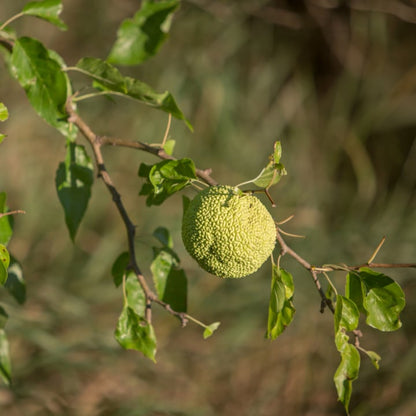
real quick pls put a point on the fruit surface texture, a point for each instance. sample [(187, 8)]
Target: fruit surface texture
[(228, 232)]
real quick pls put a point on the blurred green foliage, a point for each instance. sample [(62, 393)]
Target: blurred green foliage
[(336, 85)]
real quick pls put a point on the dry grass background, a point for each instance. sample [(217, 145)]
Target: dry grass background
[(337, 87)]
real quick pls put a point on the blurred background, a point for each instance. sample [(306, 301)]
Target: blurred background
[(335, 82)]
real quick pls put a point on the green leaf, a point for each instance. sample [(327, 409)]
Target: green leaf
[(4, 113), (173, 174), (170, 280), (45, 84), (272, 172), (108, 78), (74, 179), (347, 370), (5, 364), (136, 299), (166, 178), (374, 357), (346, 314), (119, 268), (330, 293), (3, 317), (15, 282), (133, 332), (378, 296), (48, 10), (270, 175), (140, 38), (169, 146), (210, 329), (4, 263), (277, 154), (6, 222), (346, 318), (163, 235), (281, 309), (383, 301), (354, 290)]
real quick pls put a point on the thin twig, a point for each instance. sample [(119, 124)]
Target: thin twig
[(373, 256), (167, 131), (285, 249), (204, 174), (17, 211), (342, 267)]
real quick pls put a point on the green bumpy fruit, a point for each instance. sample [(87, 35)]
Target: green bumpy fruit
[(229, 233)]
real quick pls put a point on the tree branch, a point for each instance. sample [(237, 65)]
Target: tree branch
[(204, 174), (315, 271), (285, 249), (96, 143)]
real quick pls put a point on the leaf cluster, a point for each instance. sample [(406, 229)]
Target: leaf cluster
[(11, 278)]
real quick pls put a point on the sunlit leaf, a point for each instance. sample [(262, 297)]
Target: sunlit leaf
[(383, 302), (165, 178), (4, 113), (346, 318), (272, 172), (108, 78), (43, 80), (270, 175), (133, 332), (4, 263), (135, 297), (5, 364), (277, 154), (374, 357), (48, 10), (6, 222), (346, 314), (169, 146), (347, 370), (74, 179), (15, 283), (210, 329), (378, 296), (3, 274), (281, 309), (140, 38)]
